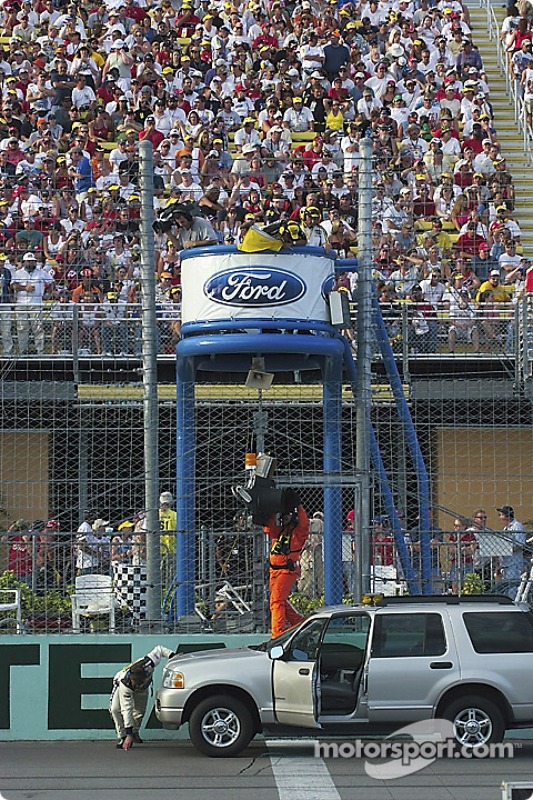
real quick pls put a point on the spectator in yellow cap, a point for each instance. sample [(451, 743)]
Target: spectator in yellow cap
[(248, 134), (298, 118), (121, 545)]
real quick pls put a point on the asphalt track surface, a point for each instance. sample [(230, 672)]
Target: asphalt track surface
[(279, 770)]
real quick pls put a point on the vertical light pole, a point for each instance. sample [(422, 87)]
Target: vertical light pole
[(149, 369), (364, 355)]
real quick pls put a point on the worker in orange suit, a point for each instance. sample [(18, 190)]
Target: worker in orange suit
[(288, 532)]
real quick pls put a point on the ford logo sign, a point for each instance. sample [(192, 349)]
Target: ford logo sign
[(254, 287)]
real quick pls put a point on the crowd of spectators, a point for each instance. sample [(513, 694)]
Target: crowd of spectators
[(255, 111), (45, 559), (42, 557)]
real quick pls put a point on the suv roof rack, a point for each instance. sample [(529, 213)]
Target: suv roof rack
[(447, 599)]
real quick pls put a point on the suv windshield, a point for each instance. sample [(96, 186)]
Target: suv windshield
[(279, 641)]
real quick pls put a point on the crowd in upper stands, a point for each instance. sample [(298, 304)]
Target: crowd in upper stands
[(255, 111)]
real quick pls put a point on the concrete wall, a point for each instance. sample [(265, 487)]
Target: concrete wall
[(58, 687)]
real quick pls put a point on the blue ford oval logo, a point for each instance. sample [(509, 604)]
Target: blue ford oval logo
[(328, 284), (254, 287)]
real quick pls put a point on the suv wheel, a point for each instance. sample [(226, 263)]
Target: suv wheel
[(476, 721), (221, 726)]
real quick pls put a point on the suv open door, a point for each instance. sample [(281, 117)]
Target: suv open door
[(295, 677)]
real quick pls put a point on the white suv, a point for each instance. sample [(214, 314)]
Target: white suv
[(363, 669)]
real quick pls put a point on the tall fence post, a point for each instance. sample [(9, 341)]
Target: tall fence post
[(364, 355), (149, 370)]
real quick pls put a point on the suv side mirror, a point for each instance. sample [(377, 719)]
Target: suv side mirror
[(276, 652)]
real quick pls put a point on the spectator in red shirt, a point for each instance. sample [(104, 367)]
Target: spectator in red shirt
[(337, 92), (19, 559), (150, 133), (463, 173), (187, 21), (313, 154), (423, 205), (468, 242), (265, 39), (23, 82), (14, 152), (476, 140), (463, 545), (134, 12), (382, 542)]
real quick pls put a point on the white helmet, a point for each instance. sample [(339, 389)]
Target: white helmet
[(166, 499)]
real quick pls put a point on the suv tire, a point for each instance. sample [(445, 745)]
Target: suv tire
[(221, 726), (476, 720)]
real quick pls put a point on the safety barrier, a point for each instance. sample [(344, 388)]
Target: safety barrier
[(229, 587)]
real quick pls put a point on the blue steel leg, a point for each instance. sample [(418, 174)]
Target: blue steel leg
[(386, 493), (185, 484), (411, 439), (332, 413)]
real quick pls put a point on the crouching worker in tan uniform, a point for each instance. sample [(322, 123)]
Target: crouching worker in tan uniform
[(129, 695)]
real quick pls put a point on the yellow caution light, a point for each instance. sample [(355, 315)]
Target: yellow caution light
[(371, 599), (250, 460)]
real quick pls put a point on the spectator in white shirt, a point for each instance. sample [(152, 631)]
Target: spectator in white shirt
[(29, 285), (298, 118)]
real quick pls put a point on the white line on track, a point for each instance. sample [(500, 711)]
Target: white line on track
[(300, 777)]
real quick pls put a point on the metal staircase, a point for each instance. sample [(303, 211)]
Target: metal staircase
[(486, 31)]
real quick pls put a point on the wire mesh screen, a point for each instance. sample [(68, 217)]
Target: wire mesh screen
[(287, 423), (65, 451)]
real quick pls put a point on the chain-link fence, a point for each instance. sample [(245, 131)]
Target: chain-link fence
[(65, 452), (57, 594)]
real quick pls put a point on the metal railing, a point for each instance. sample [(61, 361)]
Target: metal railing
[(49, 569), (486, 334), (512, 87), (69, 333), (70, 330), (468, 563), (525, 336), (231, 582)]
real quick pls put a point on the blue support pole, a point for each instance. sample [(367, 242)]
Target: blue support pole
[(332, 463), (185, 486), (386, 493), (412, 443)]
